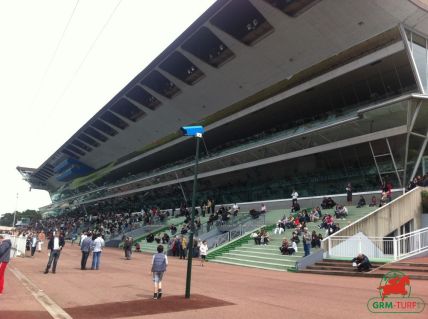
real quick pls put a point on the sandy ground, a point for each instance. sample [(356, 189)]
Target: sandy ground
[(123, 289)]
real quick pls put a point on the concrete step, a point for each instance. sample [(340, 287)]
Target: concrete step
[(373, 274), (256, 263), (339, 273), (343, 264), (399, 264), (261, 249), (412, 274), (406, 269), (270, 247), (265, 253), (333, 267), (246, 265), (262, 258)]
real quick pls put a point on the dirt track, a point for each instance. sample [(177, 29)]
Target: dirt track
[(123, 289)]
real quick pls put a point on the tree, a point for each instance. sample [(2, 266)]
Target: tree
[(33, 215), (6, 219)]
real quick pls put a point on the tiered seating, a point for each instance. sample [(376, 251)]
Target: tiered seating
[(269, 257), (151, 247)]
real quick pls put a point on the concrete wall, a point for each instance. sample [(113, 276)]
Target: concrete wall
[(388, 218)]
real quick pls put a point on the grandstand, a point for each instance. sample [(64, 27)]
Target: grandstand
[(306, 95)]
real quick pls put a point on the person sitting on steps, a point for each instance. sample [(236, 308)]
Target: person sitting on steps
[(362, 263)]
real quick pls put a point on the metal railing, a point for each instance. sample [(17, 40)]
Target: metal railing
[(239, 230), (18, 245), (411, 243), (394, 248)]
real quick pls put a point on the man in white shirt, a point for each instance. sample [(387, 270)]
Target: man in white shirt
[(97, 247), (235, 209), (294, 196), (82, 237), (33, 244)]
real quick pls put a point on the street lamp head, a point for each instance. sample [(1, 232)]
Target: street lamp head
[(193, 130)]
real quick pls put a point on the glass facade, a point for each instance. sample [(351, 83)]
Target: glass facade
[(336, 110), (418, 47)]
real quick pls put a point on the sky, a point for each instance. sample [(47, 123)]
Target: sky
[(61, 61)]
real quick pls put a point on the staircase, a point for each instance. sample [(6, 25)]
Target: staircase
[(247, 254), (345, 268), (266, 257), (338, 267)]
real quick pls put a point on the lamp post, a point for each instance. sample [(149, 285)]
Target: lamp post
[(195, 131), (16, 209)]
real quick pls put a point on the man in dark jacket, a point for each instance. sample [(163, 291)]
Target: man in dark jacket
[(127, 247), (5, 246), (55, 245), (362, 262)]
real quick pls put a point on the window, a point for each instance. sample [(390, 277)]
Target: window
[(85, 138), (179, 66), (128, 110), (103, 127), (160, 84), (419, 52), (110, 118), (94, 133), (292, 7), (139, 95), (81, 145), (207, 47), (242, 21)]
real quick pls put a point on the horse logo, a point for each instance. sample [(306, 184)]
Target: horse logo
[(394, 283)]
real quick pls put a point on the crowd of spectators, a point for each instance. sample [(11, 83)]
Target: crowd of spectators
[(418, 181)]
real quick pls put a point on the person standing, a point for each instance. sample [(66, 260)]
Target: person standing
[(82, 237), (5, 245), (33, 244), (209, 204), (212, 206), (85, 247), (159, 264), (97, 245), (203, 251), (349, 194), (306, 242), (55, 245), (127, 246), (183, 247), (294, 196), (41, 238)]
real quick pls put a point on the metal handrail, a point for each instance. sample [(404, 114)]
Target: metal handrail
[(411, 233)]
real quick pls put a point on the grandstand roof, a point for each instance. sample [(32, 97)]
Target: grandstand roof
[(219, 65)]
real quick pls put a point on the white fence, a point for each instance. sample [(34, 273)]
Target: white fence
[(18, 245), (412, 243), (393, 248)]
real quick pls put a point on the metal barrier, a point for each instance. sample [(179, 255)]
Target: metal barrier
[(372, 247), (411, 243), (18, 245), (239, 230), (394, 248)]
